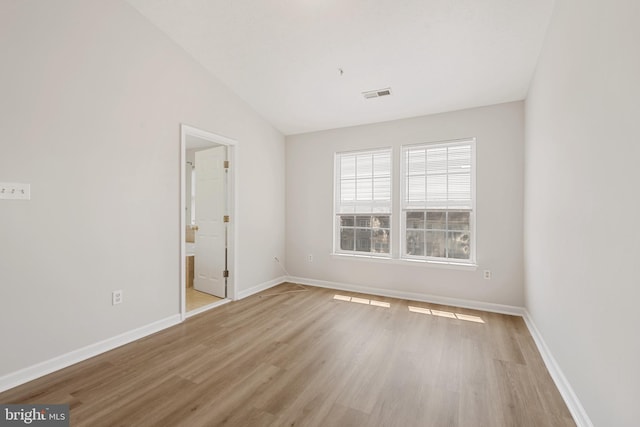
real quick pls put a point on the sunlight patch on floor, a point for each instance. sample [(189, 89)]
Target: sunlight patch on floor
[(448, 314), (443, 314), (362, 301), (380, 303)]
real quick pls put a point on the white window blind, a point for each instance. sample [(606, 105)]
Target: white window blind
[(363, 182), (438, 176)]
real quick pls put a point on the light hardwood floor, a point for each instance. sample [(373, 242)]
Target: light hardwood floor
[(196, 299), (307, 359)]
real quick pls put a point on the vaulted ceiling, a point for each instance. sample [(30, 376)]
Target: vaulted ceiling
[(283, 57)]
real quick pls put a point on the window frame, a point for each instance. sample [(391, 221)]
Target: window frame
[(403, 209), (337, 178)]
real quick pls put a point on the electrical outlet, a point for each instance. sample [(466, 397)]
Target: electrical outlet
[(310, 258), (15, 191), (116, 297), (487, 274)]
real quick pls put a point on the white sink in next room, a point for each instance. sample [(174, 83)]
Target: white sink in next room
[(190, 249)]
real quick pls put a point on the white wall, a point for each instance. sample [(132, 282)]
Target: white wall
[(92, 100), (582, 203), (500, 139)]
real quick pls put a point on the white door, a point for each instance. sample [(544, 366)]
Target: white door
[(210, 209)]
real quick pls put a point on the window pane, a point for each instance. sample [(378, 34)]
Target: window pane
[(363, 240), (416, 162), (382, 164), (363, 221), (437, 188), (380, 222), (415, 220), (436, 243), (460, 187), (364, 164), (459, 245), (364, 188), (437, 160), (415, 189), (382, 188), (348, 166), (436, 220), (459, 158), (348, 190), (380, 241), (415, 242), (346, 221), (459, 220), (346, 239)]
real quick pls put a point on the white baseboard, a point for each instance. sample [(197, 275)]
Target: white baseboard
[(573, 403), (30, 373), (262, 287), (413, 296)]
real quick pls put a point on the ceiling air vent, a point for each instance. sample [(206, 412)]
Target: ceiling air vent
[(377, 93)]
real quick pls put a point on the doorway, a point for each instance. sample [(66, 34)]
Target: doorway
[(207, 250)]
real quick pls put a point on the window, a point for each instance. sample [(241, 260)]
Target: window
[(363, 202), (435, 207), (437, 201)]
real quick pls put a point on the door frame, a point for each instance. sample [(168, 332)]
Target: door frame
[(215, 139)]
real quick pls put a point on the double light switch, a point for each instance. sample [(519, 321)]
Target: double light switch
[(15, 191)]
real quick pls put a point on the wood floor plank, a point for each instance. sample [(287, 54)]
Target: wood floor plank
[(345, 417), (196, 299), (296, 356)]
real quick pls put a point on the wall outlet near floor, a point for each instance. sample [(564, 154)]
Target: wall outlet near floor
[(310, 258), (487, 274), (116, 297)]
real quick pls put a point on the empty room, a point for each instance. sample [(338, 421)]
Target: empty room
[(319, 213)]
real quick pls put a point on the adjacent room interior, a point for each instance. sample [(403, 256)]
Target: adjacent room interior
[(321, 213)]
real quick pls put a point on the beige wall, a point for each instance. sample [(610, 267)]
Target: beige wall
[(499, 149), (582, 203), (92, 100)]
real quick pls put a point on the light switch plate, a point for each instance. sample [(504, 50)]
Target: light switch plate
[(15, 191)]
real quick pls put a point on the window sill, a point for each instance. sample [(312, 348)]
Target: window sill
[(414, 262)]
